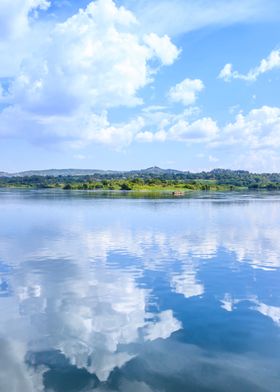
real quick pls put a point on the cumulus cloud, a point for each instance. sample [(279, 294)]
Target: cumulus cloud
[(93, 61), (181, 130), (260, 128), (61, 79), (70, 77), (148, 137), (162, 48), (94, 58), (204, 129), (261, 159), (14, 16), (268, 64), (73, 131), (186, 91), (253, 138), (20, 30)]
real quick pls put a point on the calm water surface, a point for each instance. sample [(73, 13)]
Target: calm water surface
[(139, 295)]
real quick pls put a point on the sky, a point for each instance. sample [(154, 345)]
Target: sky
[(129, 84)]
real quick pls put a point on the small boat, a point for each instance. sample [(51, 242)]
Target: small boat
[(177, 193)]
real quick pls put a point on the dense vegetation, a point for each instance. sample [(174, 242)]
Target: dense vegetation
[(149, 179)]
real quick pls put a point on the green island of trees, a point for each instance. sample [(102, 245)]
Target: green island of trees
[(153, 179)]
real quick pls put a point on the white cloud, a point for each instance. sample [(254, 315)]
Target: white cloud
[(147, 136), (261, 160), (162, 47), (74, 131), (1, 93), (14, 16), (186, 91), (180, 16), (260, 128), (268, 64), (201, 130), (252, 140), (177, 127), (94, 58), (99, 59), (226, 73), (20, 31), (93, 61)]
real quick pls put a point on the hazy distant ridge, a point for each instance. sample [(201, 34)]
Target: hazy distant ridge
[(155, 170)]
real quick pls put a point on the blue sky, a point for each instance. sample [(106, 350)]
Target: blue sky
[(187, 84)]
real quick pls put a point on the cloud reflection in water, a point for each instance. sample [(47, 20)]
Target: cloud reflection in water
[(107, 283)]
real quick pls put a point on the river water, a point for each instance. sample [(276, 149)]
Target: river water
[(101, 293)]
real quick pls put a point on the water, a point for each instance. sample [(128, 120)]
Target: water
[(141, 295)]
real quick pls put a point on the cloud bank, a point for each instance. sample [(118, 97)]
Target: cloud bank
[(60, 81), (93, 61)]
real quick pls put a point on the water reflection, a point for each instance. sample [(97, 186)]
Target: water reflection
[(90, 313), (144, 295)]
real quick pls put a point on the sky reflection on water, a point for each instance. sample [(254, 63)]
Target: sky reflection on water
[(139, 295)]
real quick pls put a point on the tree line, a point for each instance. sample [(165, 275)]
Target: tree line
[(218, 179)]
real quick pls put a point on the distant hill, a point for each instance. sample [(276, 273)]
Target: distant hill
[(57, 173), (140, 179), (65, 172), (158, 171), (88, 172), (224, 175)]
